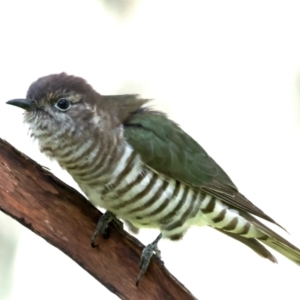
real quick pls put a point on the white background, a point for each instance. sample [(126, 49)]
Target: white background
[(227, 71)]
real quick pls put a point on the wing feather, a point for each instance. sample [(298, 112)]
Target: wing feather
[(168, 150)]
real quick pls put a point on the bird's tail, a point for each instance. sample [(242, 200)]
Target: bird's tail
[(285, 248), (275, 241)]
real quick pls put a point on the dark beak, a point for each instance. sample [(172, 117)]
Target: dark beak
[(22, 103)]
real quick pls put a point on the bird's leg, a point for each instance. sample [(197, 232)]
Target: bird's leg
[(146, 257), (102, 226)]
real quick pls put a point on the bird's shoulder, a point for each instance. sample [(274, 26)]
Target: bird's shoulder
[(168, 149)]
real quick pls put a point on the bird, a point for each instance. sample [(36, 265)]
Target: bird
[(141, 167)]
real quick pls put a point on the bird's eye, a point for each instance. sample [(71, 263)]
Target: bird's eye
[(63, 104)]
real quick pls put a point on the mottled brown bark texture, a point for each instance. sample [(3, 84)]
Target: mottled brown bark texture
[(38, 200)]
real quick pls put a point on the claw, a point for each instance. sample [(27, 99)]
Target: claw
[(102, 227), (94, 245), (147, 253)]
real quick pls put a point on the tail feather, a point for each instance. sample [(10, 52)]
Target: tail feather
[(285, 249), (252, 243), (275, 241)]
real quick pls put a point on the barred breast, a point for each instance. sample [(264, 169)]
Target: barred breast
[(113, 177), (134, 192)]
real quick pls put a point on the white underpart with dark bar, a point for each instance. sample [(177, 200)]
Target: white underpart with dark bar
[(114, 177)]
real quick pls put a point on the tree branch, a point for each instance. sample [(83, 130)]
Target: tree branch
[(35, 198)]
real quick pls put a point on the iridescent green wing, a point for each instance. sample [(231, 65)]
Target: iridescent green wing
[(167, 149)]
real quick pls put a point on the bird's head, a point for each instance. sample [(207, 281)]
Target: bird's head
[(57, 102), (68, 104)]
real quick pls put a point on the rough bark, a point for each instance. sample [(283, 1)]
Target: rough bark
[(34, 197)]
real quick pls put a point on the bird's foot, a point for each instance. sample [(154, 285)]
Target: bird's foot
[(147, 253), (102, 226)]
